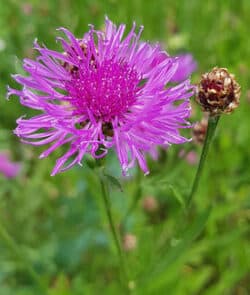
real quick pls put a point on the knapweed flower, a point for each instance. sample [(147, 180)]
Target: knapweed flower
[(8, 168), (218, 92), (103, 91)]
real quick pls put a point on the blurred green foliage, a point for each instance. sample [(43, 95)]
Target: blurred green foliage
[(59, 223)]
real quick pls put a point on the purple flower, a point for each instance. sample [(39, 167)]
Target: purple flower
[(187, 65), (103, 91), (7, 168)]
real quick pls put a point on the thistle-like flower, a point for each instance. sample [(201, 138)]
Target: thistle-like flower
[(104, 90)]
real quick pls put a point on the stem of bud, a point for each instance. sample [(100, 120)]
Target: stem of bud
[(212, 124)]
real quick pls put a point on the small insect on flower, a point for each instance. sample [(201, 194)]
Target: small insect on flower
[(103, 91)]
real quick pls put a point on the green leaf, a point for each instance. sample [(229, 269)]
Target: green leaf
[(174, 252), (114, 181), (178, 196)]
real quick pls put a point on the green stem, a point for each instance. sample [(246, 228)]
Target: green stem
[(106, 199), (11, 244), (212, 123), (136, 198)]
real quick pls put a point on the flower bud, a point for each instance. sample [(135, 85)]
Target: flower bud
[(150, 204), (129, 242), (218, 92), (192, 158), (199, 131)]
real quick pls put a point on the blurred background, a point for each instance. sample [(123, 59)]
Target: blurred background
[(54, 230)]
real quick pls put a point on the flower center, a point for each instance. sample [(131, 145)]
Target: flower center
[(106, 90)]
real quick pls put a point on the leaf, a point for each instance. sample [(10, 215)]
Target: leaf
[(178, 196), (114, 181), (174, 253)]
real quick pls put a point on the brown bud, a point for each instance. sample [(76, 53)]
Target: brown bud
[(150, 204), (199, 131), (129, 242), (218, 92)]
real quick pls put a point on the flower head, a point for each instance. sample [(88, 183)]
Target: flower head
[(104, 90), (218, 92)]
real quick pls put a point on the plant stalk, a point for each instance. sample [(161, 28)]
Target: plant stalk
[(212, 124), (107, 204)]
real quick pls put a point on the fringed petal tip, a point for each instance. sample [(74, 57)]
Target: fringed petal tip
[(53, 173), (61, 29), (9, 93), (15, 76)]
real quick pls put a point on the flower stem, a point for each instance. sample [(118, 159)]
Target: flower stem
[(12, 245), (136, 198), (212, 124), (106, 199)]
